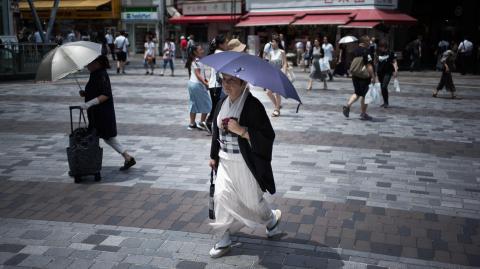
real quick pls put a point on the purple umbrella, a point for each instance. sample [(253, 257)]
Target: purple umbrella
[(254, 70)]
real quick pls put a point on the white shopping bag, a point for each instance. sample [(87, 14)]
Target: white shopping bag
[(324, 64), (396, 85), (373, 95)]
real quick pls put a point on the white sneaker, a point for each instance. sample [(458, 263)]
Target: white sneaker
[(217, 252), (274, 230)]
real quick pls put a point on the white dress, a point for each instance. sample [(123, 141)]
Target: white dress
[(238, 199)]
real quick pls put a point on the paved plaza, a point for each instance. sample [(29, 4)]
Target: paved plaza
[(401, 191)]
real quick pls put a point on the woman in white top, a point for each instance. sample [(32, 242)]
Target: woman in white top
[(149, 55), (218, 44), (197, 88), (278, 59)]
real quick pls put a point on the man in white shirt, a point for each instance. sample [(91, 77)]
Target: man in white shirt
[(328, 51), (121, 45), (465, 49), (299, 48), (168, 56), (109, 39)]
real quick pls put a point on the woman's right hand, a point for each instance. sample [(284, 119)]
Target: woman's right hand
[(213, 164), (81, 93)]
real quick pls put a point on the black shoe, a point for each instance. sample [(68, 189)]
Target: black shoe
[(118, 70), (128, 164), (192, 126), (346, 111)]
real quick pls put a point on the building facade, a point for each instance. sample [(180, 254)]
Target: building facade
[(141, 18), (86, 16)]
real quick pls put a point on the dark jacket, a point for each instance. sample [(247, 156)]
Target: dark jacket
[(102, 116), (257, 154)]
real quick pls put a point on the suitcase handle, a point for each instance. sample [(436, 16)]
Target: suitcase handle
[(80, 116)]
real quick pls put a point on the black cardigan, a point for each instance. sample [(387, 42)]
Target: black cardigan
[(257, 154)]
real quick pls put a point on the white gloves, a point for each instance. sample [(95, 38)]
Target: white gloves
[(90, 103)]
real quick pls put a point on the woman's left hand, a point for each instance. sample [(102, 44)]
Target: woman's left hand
[(234, 127)]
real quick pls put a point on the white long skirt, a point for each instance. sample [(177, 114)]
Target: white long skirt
[(238, 199)]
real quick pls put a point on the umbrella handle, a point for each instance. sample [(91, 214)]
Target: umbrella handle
[(298, 107), (76, 80)]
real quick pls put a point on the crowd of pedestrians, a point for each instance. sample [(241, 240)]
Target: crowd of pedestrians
[(242, 134)]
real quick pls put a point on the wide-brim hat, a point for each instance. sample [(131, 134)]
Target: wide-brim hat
[(236, 45)]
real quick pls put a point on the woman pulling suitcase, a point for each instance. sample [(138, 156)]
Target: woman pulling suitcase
[(100, 109)]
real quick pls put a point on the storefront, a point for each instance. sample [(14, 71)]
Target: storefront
[(205, 20), (139, 23), (334, 18), (87, 16)]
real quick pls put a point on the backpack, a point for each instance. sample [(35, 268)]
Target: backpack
[(358, 68)]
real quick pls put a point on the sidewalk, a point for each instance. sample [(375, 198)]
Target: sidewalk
[(401, 191)]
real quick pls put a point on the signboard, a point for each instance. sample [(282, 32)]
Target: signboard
[(212, 8), (275, 5), (139, 16)]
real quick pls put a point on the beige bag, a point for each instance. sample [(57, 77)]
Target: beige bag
[(358, 68)]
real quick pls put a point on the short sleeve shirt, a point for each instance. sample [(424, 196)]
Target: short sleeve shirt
[(365, 54), (328, 50), (385, 62), (197, 65)]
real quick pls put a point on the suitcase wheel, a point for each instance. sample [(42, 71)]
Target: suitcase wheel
[(78, 179), (98, 177)]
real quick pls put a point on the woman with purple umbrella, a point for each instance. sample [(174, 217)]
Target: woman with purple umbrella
[(241, 153)]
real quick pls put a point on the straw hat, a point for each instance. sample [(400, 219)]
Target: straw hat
[(236, 45)]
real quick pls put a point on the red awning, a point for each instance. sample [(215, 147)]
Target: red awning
[(360, 24), (263, 20), (203, 19), (384, 16), (323, 19)]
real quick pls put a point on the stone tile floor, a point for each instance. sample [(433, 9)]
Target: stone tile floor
[(402, 191)]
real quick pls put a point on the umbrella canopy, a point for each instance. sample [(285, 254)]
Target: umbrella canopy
[(254, 70), (347, 39), (67, 59)]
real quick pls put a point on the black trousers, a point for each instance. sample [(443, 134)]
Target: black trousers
[(215, 96), (112, 51), (384, 80), (446, 81)]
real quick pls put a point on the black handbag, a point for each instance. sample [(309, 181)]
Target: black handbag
[(211, 208)]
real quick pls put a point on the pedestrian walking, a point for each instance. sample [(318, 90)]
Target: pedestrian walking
[(328, 54), (315, 71), (341, 66), (307, 55), (100, 108), (200, 101), (446, 79), (415, 50), (443, 45), (168, 56), (241, 153), (121, 48), (363, 75), (387, 67), (217, 45), (149, 55), (465, 52), (277, 58), (109, 38), (300, 50), (183, 48)]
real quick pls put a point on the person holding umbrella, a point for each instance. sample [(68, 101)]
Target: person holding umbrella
[(241, 149), (100, 109), (241, 153)]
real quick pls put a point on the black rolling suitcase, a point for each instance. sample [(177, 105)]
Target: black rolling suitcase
[(84, 152)]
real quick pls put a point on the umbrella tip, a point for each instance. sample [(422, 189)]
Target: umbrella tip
[(238, 70)]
